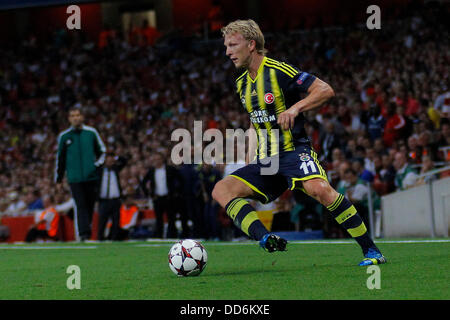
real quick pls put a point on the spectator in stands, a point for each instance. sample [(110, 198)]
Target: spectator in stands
[(378, 184), (444, 134), (350, 149), (442, 103), (105, 36), (376, 123), (64, 203), (337, 154), (129, 214), (342, 184), (387, 174), (329, 140), (411, 104), (215, 17), (17, 205), (405, 176), (357, 191), (148, 34), (369, 161), (379, 146), (394, 124), (357, 119), (360, 154), (428, 147), (343, 115), (357, 165), (427, 166), (33, 200), (46, 222), (414, 150), (443, 141)]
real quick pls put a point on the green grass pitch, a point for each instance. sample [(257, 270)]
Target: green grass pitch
[(325, 270)]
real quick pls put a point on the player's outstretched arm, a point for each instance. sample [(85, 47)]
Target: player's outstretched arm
[(318, 93)]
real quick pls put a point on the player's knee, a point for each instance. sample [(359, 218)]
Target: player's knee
[(216, 193), (326, 194), (316, 193), (227, 189), (321, 191), (221, 192)]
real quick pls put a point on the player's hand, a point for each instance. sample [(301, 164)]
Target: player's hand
[(286, 118)]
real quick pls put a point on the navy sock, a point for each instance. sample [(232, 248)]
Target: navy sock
[(345, 213), (245, 218)]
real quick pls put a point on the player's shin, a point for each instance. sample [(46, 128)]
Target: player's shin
[(245, 218), (345, 213)]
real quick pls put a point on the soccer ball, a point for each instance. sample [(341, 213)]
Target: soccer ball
[(187, 258)]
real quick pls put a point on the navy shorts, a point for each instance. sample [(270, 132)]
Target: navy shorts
[(293, 167)]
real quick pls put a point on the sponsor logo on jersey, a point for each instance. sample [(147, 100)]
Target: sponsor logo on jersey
[(304, 157), (261, 116), (268, 98)]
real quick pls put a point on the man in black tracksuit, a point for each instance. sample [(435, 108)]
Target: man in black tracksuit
[(164, 182), (81, 152), (110, 196)]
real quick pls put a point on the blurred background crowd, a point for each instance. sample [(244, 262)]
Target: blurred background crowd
[(388, 123)]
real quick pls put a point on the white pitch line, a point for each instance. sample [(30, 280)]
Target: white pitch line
[(209, 244), (376, 241), (43, 248), (305, 242), (154, 245), (165, 240), (413, 241), (246, 243)]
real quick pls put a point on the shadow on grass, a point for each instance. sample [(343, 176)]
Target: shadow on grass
[(275, 269), (243, 272)]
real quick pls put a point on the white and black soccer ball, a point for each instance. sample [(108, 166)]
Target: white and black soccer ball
[(187, 258)]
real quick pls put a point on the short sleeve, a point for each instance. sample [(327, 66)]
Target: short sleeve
[(294, 80), (301, 82)]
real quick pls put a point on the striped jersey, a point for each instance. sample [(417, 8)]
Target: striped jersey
[(277, 87)]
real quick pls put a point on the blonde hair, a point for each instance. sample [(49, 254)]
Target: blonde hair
[(249, 30)]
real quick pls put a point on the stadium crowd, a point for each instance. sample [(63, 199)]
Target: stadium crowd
[(387, 124)]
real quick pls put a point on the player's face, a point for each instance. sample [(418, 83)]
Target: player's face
[(238, 49)]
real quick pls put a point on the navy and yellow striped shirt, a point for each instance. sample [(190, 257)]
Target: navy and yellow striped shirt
[(277, 87)]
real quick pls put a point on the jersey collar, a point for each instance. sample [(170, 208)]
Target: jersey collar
[(260, 70)]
